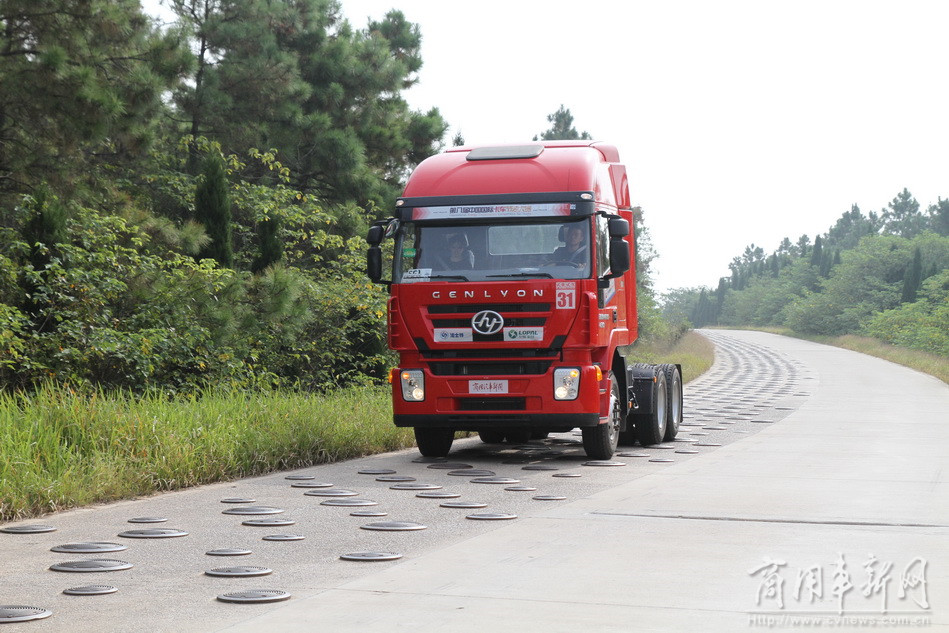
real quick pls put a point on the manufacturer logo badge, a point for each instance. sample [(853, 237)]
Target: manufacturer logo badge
[(487, 322)]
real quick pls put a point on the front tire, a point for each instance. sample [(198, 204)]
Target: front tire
[(434, 442), (600, 441)]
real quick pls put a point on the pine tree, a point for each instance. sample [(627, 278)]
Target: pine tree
[(212, 208), (269, 245), (561, 128), (818, 252), (913, 278), (78, 78)]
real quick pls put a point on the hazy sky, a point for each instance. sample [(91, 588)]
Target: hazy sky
[(739, 121)]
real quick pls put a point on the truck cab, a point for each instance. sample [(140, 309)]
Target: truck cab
[(512, 295)]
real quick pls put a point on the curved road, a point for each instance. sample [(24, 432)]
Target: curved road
[(808, 482)]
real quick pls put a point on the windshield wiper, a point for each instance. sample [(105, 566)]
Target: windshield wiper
[(461, 277), (533, 274)]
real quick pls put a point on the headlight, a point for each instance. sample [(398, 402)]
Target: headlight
[(566, 383), (413, 385)]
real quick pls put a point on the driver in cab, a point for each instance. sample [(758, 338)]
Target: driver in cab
[(574, 252)]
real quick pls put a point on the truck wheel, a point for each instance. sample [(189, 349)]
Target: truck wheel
[(491, 437), (434, 442), (651, 427), (673, 401), (600, 441)]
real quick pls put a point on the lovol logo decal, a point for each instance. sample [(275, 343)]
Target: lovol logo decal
[(487, 322)]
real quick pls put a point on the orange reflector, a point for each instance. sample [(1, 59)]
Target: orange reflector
[(599, 374)]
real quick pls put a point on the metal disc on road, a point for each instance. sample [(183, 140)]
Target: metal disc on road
[(394, 526), (415, 487), (252, 510), (154, 533), (540, 467), (706, 444), (90, 590), (238, 500), (27, 529), (603, 462), (376, 471), (148, 520), (548, 498), (663, 447), (698, 433), (268, 522), (91, 565), (663, 460), (687, 451), (239, 571), (395, 478), (369, 513), (255, 596), (567, 475), (521, 488), (439, 495), (428, 460), (714, 428), (465, 505), (450, 466), (300, 477), (495, 480), (632, 454), (371, 556), (331, 492), (228, 551), (763, 421), (88, 548), (349, 503), (311, 484), (19, 613), (683, 439), (491, 516), (472, 472), (284, 537)]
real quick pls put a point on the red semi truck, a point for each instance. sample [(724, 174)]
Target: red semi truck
[(513, 301)]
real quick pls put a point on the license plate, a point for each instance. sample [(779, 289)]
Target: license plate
[(487, 386)]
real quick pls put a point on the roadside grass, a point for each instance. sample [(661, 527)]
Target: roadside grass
[(63, 449), (926, 362), (692, 350)]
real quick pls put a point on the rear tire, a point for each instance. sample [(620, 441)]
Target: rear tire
[(600, 441), (491, 437), (434, 442), (651, 427), (673, 401)]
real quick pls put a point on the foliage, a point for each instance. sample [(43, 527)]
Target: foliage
[(922, 324), (212, 209), (862, 276), (78, 79)]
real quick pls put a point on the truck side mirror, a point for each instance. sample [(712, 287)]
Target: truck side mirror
[(618, 227), (619, 254), (376, 233), (374, 263)]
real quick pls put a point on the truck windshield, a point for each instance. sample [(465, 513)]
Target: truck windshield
[(479, 252)]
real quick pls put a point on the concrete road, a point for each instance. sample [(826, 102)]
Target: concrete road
[(808, 490)]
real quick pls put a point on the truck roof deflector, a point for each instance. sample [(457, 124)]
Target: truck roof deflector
[(505, 152)]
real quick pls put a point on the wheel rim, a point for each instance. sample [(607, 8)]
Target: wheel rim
[(676, 401), (661, 408), (616, 413)]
